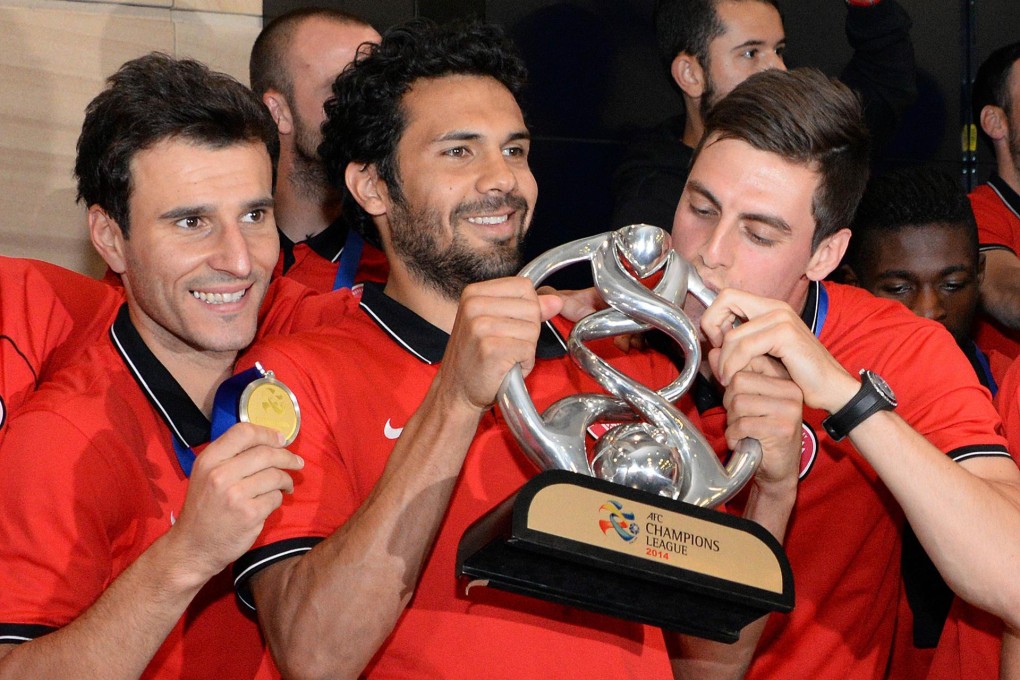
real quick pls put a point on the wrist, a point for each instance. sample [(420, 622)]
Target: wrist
[(874, 395), (175, 566), (840, 393)]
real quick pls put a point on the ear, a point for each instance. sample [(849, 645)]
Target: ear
[(279, 109), (980, 269), (828, 255), (993, 122), (688, 73), (107, 238), (367, 188)]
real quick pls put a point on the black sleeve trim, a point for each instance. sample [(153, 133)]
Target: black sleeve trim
[(254, 561), (16, 633), (978, 451)]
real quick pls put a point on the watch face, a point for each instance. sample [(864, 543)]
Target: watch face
[(882, 386)]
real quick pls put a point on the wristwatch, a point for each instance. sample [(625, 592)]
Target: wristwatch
[(875, 395)]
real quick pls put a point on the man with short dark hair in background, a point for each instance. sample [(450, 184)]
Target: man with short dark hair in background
[(710, 46), (293, 64), (996, 104)]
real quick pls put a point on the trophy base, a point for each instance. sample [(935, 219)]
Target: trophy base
[(591, 544)]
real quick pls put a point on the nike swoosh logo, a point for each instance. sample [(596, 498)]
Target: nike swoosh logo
[(390, 431)]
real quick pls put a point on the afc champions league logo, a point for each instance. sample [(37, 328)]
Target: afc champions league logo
[(614, 517)]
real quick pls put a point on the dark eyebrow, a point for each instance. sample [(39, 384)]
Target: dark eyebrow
[(183, 211), (186, 211), (466, 136), (896, 274), (750, 43), (520, 135), (773, 221), (260, 204), (458, 136), (906, 274), (698, 187)]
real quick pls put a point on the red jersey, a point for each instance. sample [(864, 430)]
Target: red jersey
[(92, 449), (316, 261), (843, 538), (358, 383), (111, 478), (997, 211), (48, 315)]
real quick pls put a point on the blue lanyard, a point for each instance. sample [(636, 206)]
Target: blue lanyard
[(823, 310), (224, 414), (986, 369), (349, 260)]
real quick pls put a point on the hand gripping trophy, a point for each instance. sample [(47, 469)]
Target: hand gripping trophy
[(652, 476)]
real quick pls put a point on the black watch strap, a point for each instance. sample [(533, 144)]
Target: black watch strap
[(873, 396)]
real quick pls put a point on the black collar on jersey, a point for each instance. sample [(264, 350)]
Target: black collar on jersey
[(1005, 192), (165, 394), (707, 394), (424, 340), (327, 244)]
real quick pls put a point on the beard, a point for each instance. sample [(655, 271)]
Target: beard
[(1014, 144), (415, 237), (708, 98), (309, 176)]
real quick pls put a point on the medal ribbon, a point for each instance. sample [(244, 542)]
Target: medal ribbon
[(349, 259), (224, 414), (823, 310)]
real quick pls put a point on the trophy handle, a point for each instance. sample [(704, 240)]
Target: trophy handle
[(546, 448)]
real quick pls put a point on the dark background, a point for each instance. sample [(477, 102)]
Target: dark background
[(595, 78)]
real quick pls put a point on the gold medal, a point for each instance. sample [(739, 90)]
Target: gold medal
[(268, 402)]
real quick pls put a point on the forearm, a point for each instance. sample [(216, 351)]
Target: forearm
[(1009, 660), (882, 68), (694, 658), (1000, 286), (1001, 300), (327, 613), (966, 515), (116, 637)]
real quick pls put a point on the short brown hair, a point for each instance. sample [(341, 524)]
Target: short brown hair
[(805, 117), (267, 68)]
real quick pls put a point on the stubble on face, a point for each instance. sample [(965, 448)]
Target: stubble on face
[(309, 173), (416, 237)]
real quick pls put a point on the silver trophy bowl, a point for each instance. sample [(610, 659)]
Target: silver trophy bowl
[(652, 446)]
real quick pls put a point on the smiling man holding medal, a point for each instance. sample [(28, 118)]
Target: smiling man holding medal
[(114, 533)]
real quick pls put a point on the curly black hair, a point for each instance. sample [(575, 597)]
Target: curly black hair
[(365, 117), (153, 98)]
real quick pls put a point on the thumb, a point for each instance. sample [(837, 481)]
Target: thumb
[(551, 305)]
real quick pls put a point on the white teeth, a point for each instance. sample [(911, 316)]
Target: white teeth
[(495, 219), (218, 298)]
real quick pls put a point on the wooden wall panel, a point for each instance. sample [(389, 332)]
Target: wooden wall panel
[(223, 41), (247, 7), (54, 58)]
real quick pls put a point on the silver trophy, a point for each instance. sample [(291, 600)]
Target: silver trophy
[(655, 448)]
